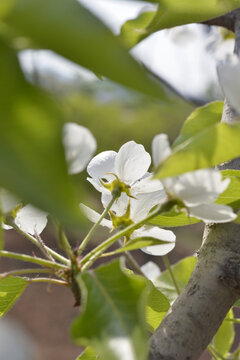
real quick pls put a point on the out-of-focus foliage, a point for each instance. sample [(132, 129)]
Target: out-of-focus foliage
[(10, 289), (170, 13), (224, 338), (31, 154)]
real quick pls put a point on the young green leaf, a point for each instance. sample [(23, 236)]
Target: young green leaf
[(112, 318), (10, 289), (231, 196), (182, 272), (89, 354), (213, 146), (72, 31), (201, 118), (224, 337), (173, 218), (157, 307), (139, 243), (31, 153)]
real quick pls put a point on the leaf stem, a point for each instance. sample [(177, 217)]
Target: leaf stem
[(25, 271), (34, 260), (94, 227), (48, 280), (64, 243), (35, 242), (168, 266), (107, 243)]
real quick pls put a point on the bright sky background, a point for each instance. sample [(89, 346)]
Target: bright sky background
[(179, 55)]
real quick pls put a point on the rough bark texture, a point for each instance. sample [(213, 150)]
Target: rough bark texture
[(215, 282)]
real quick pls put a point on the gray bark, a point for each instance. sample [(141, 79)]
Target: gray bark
[(214, 285)]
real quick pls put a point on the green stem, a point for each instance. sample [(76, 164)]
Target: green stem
[(94, 227), (107, 243), (34, 260), (48, 280), (64, 243), (35, 242), (215, 354), (25, 271), (168, 266)]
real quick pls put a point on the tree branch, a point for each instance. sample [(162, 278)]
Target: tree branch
[(215, 282)]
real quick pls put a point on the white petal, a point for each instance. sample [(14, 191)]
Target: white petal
[(157, 233), (6, 227), (94, 216), (119, 206), (215, 213), (9, 201), (31, 220), (121, 348), (197, 187), (79, 144), (229, 78), (141, 206), (146, 185), (132, 162), (151, 270), (160, 149), (101, 165)]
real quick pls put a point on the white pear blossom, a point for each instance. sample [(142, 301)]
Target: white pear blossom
[(139, 208), (8, 201), (197, 190), (229, 78), (129, 166), (79, 144)]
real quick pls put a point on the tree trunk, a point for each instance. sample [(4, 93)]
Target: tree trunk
[(214, 285)]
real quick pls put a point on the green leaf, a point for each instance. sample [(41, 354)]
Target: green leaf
[(182, 272), (11, 288), (112, 317), (224, 338), (139, 243), (157, 307), (133, 31), (72, 31), (173, 218), (213, 146), (89, 354), (199, 120), (5, 7), (171, 13), (231, 196), (32, 163)]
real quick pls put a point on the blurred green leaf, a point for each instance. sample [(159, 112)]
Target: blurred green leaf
[(182, 272), (32, 163), (202, 118), (10, 289), (225, 335), (213, 146), (171, 13), (133, 31), (72, 31), (113, 313), (89, 354), (5, 7), (173, 218), (231, 196), (157, 307)]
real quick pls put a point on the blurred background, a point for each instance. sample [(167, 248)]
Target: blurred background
[(185, 58)]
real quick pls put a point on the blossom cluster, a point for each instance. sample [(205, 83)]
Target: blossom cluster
[(125, 176)]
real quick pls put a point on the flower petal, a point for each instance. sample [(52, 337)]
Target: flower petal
[(132, 162), (151, 270), (160, 149), (229, 78), (79, 144), (157, 233), (141, 206), (8, 201), (94, 216), (31, 220), (146, 185), (213, 213), (100, 167), (197, 187), (119, 206)]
